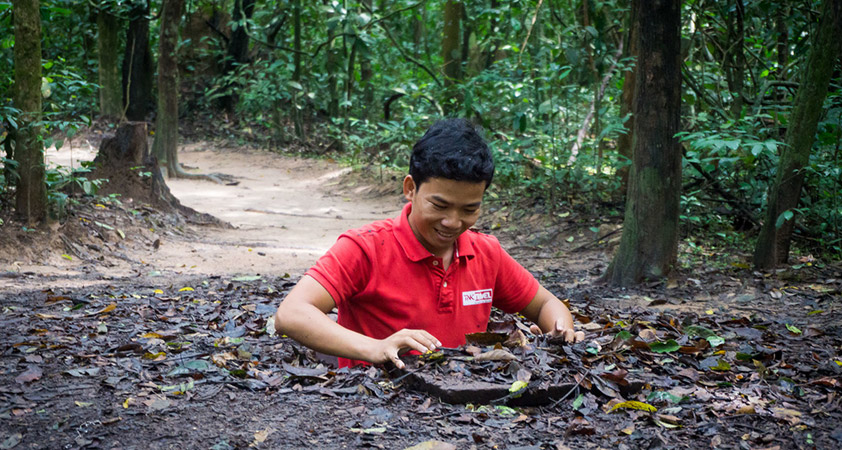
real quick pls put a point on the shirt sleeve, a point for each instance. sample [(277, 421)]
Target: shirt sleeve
[(343, 271), (514, 287)]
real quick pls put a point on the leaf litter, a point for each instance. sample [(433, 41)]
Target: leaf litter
[(120, 365)]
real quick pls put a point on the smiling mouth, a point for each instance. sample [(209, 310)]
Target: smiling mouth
[(445, 235)]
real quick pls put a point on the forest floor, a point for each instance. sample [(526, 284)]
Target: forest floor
[(130, 327)]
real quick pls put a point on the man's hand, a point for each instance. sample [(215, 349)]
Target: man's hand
[(559, 330), (401, 342)]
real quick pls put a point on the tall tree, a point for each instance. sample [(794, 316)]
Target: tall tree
[(450, 51), (238, 47), (735, 60), (624, 141), (366, 71), (296, 74), (137, 64), (776, 233), (31, 194), (165, 147), (649, 245), (108, 46)]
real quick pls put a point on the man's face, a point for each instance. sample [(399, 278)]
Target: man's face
[(442, 209)]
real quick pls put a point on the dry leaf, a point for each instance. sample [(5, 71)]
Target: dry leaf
[(496, 355), (157, 403), (107, 309), (647, 335), (516, 339), (32, 373), (432, 445), (261, 436)]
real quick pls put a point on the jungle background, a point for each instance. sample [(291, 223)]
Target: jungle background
[(671, 169)]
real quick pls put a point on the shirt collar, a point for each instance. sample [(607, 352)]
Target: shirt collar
[(413, 248)]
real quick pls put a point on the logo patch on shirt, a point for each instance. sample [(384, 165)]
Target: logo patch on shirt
[(471, 298)]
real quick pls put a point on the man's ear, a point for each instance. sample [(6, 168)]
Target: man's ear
[(409, 188)]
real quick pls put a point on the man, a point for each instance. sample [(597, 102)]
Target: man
[(422, 280)]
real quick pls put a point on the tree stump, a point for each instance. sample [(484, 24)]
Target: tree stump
[(128, 147), (128, 169)]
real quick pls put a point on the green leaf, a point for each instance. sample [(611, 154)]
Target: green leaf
[(518, 386), (785, 216), (721, 366), (505, 410), (664, 347), (702, 332), (632, 404), (178, 388), (623, 335), (663, 396), (578, 402), (246, 278), (793, 329), (715, 341)]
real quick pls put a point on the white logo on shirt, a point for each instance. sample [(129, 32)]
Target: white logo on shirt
[(470, 298)]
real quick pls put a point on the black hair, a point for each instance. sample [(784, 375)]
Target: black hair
[(452, 149)]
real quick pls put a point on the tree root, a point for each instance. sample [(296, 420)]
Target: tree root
[(180, 173)]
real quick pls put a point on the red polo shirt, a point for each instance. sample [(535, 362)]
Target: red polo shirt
[(383, 280)]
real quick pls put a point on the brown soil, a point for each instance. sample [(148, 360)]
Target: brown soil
[(127, 326)]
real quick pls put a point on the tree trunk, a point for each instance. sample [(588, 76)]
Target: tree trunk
[(649, 244), (735, 57), (774, 240), (782, 50), (624, 142), (450, 52), (296, 74), (238, 47), (333, 68), (419, 31), (108, 49), (165, 147), (31, 193), (366, 74), (137, 64)]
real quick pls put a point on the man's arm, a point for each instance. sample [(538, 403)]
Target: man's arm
[(551, 316), (302, 316)]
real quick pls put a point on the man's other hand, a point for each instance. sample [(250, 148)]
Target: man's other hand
[(401, 342), (559, 330)]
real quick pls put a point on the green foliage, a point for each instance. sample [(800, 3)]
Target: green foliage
[(62, 182), (531, 74)]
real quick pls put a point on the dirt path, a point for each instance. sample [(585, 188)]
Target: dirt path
[(284, 211)]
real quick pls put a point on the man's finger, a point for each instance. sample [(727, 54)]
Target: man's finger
[(580, 336), (536, 330), (568, 334), (398, 363)]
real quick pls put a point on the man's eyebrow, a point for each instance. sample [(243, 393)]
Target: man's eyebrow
[(442, 200)]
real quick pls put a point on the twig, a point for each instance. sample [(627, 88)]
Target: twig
[(401, 49), (395, 12), (529, 32), (575, 388)]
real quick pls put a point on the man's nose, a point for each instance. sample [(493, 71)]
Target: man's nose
[(451, 220)]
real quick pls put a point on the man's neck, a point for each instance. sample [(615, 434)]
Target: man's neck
[(447, 257)]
